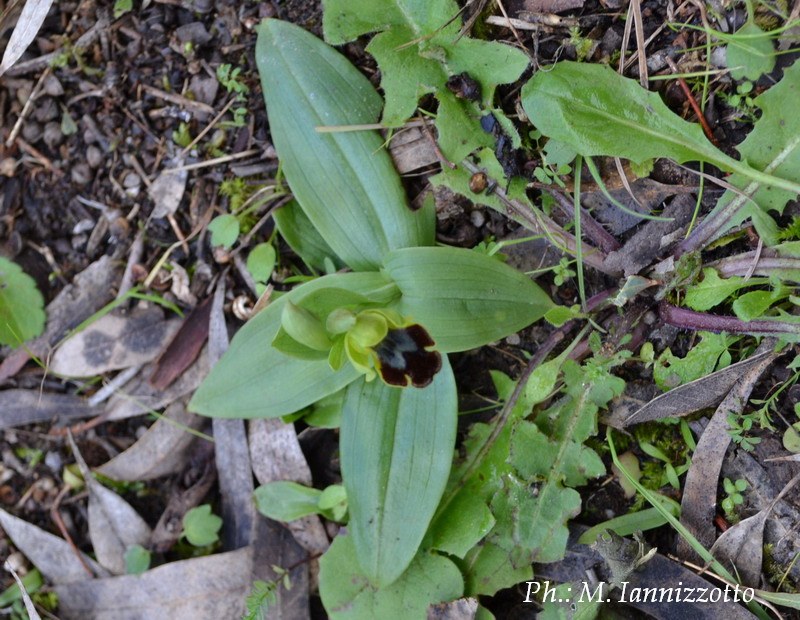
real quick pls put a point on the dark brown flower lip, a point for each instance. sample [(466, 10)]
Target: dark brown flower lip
[(403, 357)]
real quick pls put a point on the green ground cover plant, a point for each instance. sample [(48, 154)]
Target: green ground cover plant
[(365, 348)]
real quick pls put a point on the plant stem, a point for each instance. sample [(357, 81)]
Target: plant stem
[(700, 321)]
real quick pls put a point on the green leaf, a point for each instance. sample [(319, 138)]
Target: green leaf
[(774, 146), (255, 380), (396, 449), (298, 231), (618, 118), (224, 230), (348, 593), (418, 48), (710, 354), (21, 305), (345, 182), (286, 501), (137, 560), (261, 262), (791, 438), (487, 569), (713, 290), (464, 299), (751, 55), (200, 526), (753, 305)]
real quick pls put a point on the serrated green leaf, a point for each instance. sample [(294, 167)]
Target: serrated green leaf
[(617, 117), (21, 305), (396, 450), (201, 526), (286, 501), (708, 355), (751, 55), (261, 261), (348, 594), (713, 290), (487, 569), (772, 146), (224, 230), (298, 231), (422, 40), (255, 380), (464, 299), (345, 182)]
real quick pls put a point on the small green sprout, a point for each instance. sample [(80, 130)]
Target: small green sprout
[(734, 498)]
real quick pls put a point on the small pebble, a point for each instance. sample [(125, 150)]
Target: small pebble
[(81, 174), (54, 461), (53, 136), (52, 86), (513, 340), (31, 131), (477, 218), (132, 184), (46, 110), (94, 156)]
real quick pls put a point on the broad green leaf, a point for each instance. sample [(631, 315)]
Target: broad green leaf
[(286, 501), (753, 305), (463, 298), (21, 305), (255, 380), (713, 290), (396, 448), (261, 261), (344, 181), (201, 526), (298, 231), (618, 118), (421, 39), (751, 55), (348, 593), (224, 230), (772, 146)]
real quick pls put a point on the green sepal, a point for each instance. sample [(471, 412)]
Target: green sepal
[(301, 325), (255, 380), (464, 299)]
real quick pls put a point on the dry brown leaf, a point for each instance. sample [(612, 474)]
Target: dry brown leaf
[(139, 396), (743, 543), (702, 393), (113, 342), (30, 20), (207, 588), (114, 525), (168, 189), (20, 407), (411, 149), (161, 451), (183, 348), (699, 501), (90, 290), (52, 555), (230, 446), (462, 609)]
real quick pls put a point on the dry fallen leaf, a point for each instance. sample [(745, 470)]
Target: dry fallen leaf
[(114, 525), (113, 342), (207, 588), (30, 20), (52, 555), (161, 451), (20, 407)]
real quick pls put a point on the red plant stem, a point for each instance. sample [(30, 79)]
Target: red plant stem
[(693, 103), (700, 321)]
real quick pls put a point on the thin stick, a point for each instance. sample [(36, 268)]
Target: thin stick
[(636, 9), (56, 517), (701, 118)]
